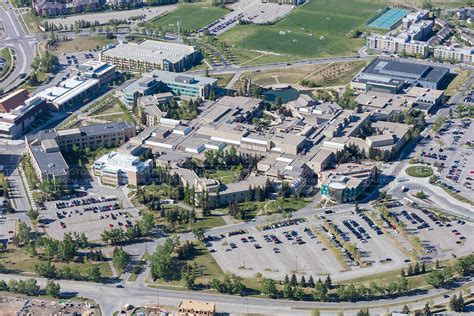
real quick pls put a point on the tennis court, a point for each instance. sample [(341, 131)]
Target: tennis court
[(388, 19)]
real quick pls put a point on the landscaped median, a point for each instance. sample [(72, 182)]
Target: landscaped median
[(7, 54), (419, 171)]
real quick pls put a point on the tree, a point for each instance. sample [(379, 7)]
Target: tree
[(161, 262), (405, 309), (22, 236), (146, 224), (189, 279), (436, 278), (328, 282), (293, 280), (53, 289), (456, 303), (120, 259), (94, 273), (421, 195), (268, 287), (427, 310), (303, 282), (320, 292), (199, 233), (363, 312)]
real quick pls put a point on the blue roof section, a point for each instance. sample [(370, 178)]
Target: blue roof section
[(388, 18)]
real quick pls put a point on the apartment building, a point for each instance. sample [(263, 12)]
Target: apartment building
[(457, 54), (391, 44)]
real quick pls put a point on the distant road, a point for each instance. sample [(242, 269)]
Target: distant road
[(22, 44)]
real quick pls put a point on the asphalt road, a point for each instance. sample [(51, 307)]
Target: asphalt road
[(112, 299), (23, 45)]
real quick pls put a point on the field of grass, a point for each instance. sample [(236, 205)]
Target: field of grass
[(82, 44), (192, 16), (457, 82), (318, 28), (19, 261), (224, 176), (31, 21), (325, 75), (223, 79), (419, 171)]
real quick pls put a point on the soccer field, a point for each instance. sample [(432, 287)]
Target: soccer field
[(192, 16), (316, 29)]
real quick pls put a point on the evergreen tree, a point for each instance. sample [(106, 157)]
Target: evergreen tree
[(328, 282), (303, 282), (293, 280), (286, 280)]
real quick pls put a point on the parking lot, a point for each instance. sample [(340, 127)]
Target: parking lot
[(90, 214), (441, 238), (451, 151), (274, 253), (145, 14), (252, 11), (278, 251)]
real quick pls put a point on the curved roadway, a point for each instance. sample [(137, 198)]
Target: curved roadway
[(24, 46)]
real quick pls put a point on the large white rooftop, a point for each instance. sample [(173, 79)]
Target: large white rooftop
[(151, 51)]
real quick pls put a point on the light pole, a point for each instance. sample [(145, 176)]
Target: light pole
[(296, 264)]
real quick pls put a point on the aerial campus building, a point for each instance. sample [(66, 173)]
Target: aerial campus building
[(121, 168), (44, 148), (392, 76), (165, 81), (93, 78), (17, 111), (150, 55)]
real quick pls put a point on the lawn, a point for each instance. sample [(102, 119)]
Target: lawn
[(31, 21), (19, 261), (192, 16), (316, 29), (223, 79), (224, 176), (457, 82), (419, 171), (6, 54), (82, 44)]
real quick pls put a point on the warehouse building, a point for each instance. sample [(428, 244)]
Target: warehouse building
[(392, 76), (149, 55)]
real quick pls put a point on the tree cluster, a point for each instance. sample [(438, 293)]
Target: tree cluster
[(120, 259), (229, 285)]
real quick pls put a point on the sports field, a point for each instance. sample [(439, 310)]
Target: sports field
[(388, 19), (318, 28), (192, 16)]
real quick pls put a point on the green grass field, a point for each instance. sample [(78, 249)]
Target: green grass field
[(192, 16), (318, 28), (419, 171)]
